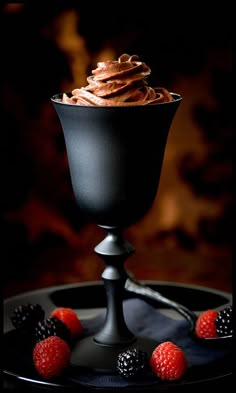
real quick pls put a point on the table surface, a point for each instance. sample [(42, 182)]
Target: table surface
[(89, 299)]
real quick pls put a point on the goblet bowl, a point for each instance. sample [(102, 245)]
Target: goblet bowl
[(115, 157)]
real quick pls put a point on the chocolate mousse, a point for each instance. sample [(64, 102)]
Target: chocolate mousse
[(122, 82)]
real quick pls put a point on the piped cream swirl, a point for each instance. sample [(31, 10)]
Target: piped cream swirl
[(122, 82)]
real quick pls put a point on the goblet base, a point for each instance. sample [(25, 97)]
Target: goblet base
[(87, 353)]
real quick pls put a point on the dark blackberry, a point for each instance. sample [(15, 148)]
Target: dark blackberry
[(224, 322), (131, 363), (52, 326), (26, 316)]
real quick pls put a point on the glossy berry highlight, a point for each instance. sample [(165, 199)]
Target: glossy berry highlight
[(51, 326), (26, 316), (205, 325), (168, 361), (69, 318), (132, 363), (224, 322), (51, 357)]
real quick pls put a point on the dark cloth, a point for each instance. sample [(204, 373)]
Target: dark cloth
[(146, 321)]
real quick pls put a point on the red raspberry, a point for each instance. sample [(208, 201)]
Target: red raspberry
[(205, 325), (168, 361), (70, 319), (51, 356)]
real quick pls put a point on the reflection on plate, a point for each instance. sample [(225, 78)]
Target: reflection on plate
[(89, 300)]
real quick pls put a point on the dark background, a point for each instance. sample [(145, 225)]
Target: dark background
[(46, 49)]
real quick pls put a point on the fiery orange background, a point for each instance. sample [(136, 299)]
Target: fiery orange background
[(187, 234)]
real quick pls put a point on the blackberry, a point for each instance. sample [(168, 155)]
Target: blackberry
[(131, 362), (26, 316), (51, 326), (224, 322)]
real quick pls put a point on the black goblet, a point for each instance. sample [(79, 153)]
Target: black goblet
[(115, 158)]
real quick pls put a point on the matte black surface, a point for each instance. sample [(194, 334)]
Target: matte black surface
[(195, 299), (103, 359), (17, 364), (115, 156), (114, 250)]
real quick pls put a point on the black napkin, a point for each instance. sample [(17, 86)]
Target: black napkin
[(144, 320)]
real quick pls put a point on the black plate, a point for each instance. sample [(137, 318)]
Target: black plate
[(89, 300)]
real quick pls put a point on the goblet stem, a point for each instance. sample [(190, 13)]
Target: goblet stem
[(100, 352), (114, 250)]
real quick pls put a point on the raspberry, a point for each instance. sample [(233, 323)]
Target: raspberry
[(51, 357), (205, 325), (168, 361), (131, 362), (52, 326), (70, 318), (224, 322), (26, 316)]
